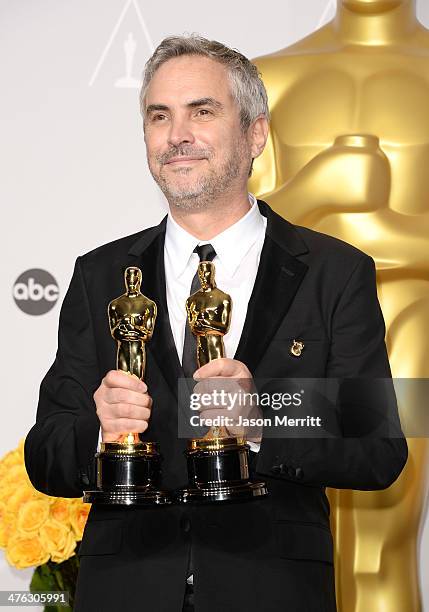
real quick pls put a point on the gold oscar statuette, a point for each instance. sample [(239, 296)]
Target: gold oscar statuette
[(128, 470), (218, 464)]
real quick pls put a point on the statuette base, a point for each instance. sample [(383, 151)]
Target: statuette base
[(222, 493), (128, 497), (128, 474), (218, 471)]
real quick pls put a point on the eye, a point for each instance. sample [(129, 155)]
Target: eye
[(158, 117), (203, 112)]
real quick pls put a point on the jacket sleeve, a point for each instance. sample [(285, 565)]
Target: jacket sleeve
[(60, 447), (370, 451)]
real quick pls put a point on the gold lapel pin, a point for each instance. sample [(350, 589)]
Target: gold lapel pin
[(296, 348)]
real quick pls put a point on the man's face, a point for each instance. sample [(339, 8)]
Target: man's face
[(196, 148)]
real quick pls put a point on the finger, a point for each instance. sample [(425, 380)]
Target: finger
[(117, 395), (222, 367), (119, 411), (237, 431), (118, 378), (208, 386), (213, 413), (218, 391)]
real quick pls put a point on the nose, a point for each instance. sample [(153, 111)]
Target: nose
[(180, 132)]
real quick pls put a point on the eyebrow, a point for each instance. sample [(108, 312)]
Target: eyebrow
[(205, 102), (192, 104)]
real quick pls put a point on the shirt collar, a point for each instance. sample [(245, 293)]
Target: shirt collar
[(231, 245)]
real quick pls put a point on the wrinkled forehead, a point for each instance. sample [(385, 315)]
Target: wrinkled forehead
[(182, 79)]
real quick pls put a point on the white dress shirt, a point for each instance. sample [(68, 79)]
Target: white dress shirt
[(238, 250)]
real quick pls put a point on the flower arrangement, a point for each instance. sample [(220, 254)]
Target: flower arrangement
[(38, 530)]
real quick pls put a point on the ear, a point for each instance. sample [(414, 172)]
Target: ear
[(258, 134)]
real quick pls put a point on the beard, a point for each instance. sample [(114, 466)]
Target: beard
[(203, 191)]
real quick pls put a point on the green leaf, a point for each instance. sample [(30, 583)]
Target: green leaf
[(49, 577), (43, 579)]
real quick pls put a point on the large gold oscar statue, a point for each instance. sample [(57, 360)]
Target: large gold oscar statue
[(348, 155)]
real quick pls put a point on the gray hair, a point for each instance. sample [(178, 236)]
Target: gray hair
[(247, 87)]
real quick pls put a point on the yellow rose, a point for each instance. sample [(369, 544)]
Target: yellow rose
[(33, 526), (32, 515), (15, 475), (6, 491), (67, 551), (7, 524), (4, 534), (78, 517), (21, 495), (60, 510), (58, 540), (12, 466), (26, 552)]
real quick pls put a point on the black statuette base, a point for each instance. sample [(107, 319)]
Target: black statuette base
[(128, 475), (219, 474)]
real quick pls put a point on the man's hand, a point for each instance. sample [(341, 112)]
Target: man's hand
[(223, 368), (123, 405), (237, 381)]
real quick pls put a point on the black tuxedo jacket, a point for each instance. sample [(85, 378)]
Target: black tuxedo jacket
[(271, 554)]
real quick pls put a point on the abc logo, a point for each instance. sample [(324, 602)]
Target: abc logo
[(35, 291)]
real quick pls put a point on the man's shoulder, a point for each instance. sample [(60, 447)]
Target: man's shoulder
[(113, 248), (327, 257), (320, 244), (311, 245), (118, 249), (335, 260)]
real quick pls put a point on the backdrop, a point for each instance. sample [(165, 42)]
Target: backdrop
[(73, 161)]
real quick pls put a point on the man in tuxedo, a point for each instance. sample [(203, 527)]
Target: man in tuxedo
[(205, 116)]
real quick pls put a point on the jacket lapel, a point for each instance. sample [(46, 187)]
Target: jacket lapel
[(279, 276)]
